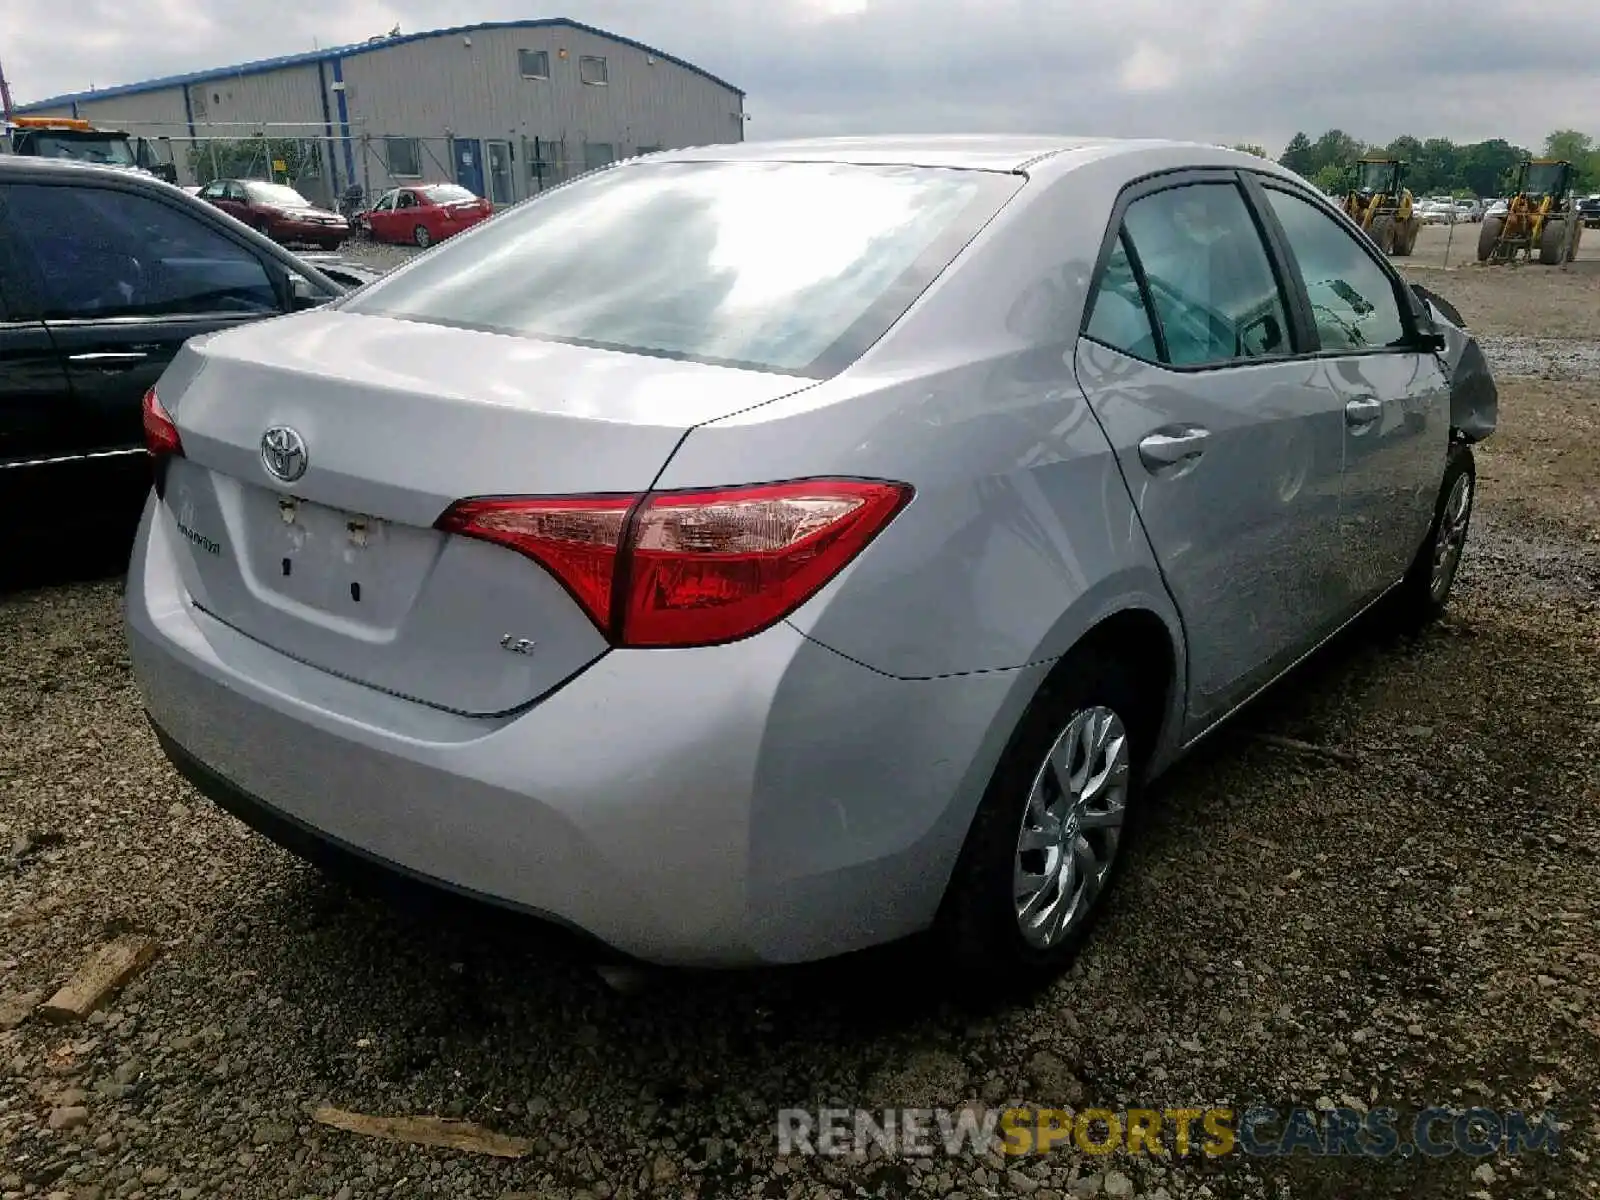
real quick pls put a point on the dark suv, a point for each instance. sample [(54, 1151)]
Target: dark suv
[(103, 275), (1589, 211)]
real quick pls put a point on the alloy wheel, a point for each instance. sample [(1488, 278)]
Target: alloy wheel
[(1452, 538), (1071, 827)]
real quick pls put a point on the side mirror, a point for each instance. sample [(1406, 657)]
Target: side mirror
[(1431, 342), (303, 295)]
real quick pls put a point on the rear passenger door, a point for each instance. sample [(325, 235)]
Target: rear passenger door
[(1230, 442), (1394, 394)]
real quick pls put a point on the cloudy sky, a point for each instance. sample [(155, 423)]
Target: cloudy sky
[(1214, 70)]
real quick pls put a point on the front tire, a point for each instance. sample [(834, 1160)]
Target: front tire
[(1553, 243), (1489, 236), (1050, 835), (1423, 593), (1383, 233)]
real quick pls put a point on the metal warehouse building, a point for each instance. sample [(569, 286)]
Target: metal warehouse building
[(505, 108)]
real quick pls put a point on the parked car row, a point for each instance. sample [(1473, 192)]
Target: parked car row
[(1446, 210)]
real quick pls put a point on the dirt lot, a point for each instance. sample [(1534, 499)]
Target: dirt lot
[(1409, 920)]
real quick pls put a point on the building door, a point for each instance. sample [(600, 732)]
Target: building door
[(501, 188), (469, 165)]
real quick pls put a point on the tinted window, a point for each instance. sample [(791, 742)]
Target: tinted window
[(785, 266), (96, 252), (1210, 280), (275, 194), (1352, 299), (1120, 318), (447, 193)]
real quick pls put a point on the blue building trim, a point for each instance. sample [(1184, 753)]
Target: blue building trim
[(344, 121), (333, 55), (327, 126)]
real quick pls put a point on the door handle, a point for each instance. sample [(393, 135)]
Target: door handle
[(109, 360), (1170, 447), (1362, 411)]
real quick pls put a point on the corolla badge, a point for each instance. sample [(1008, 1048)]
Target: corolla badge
[(283, 453)]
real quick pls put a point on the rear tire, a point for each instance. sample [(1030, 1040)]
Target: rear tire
[(1092, 718), (1423, 593), (1489, 236), (422, 237)]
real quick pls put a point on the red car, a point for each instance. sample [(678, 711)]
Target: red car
[(278, 211), (424, 214)]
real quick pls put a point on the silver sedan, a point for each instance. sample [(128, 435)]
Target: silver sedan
[(755, 553)]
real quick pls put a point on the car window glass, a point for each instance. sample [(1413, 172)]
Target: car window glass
[(776, 265), (1119, 317), (1210, 280), (1352, 299), (407, 200), (99, 252)]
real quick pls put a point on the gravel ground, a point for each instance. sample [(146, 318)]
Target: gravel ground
[(1410, 922)]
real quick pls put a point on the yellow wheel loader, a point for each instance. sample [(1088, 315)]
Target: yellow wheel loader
[(1540, 220), (1382, 205)]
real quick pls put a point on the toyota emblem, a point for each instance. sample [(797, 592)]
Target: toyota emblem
[(283, 453)]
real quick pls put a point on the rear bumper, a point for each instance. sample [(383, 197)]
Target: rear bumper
[(310, 231), (764, 802)]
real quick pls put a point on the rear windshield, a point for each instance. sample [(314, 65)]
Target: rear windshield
[(791, 267), (445, 193), (275, 193)]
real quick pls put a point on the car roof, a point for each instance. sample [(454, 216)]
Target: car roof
[(30, 164), (1010, 153)]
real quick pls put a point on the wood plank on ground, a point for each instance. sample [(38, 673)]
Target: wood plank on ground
[(102, 973)]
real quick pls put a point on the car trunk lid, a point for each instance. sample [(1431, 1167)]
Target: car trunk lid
[(341, 567)]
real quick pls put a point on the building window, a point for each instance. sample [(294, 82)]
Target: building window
[(404, 155), (597, 154), (592, 70), (534, 64)]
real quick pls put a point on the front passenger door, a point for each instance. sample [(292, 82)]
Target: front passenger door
[(1394, 394), (35, 403), (1231, 446)]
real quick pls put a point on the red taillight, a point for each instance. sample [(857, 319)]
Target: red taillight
[(160, 434), (575, 540), (695, 568)]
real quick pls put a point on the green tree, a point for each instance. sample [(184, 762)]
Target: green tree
[(1579, 150), (1297, 155), (1336, 148), (1251, 148), (1484, 166), (255, 157), (1336, 179), (1436, 167), (1405, 148)]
